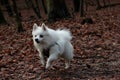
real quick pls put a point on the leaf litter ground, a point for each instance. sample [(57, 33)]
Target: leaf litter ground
[(96, 49)]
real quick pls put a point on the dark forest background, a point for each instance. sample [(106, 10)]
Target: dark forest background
[(51, 10), (95, 27)]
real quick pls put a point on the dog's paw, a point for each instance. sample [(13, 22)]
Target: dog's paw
[(67, 66), (47, 66), (43, 62)]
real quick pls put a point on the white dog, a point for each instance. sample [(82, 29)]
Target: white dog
[(55, 43)]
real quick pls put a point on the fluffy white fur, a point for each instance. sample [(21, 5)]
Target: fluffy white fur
[(44, 37)]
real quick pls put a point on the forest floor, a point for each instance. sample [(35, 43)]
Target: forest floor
[(96, 49)]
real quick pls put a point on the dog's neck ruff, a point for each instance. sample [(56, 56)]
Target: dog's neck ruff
[(46, 51)]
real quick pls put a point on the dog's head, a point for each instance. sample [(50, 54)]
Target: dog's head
[(39, 33)]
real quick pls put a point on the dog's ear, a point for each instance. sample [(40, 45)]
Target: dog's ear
[(35, 26), (44, 27)]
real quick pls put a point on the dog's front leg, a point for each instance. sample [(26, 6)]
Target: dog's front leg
[(51, 58), (42, 58)]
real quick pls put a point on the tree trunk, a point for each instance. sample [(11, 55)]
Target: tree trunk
[(109, 2), (76, 5), (27, 2), (57, 9), (44, 7), (2, 19), (2, 2), (35, 8), (8, 7), (19, 24), (98, 4), (81, 8), (106, 3)]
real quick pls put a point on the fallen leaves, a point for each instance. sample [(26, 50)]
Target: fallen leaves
[(96, 49)]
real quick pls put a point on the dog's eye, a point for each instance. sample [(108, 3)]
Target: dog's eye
[(41, 36)]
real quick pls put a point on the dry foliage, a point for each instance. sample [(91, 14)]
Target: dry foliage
[(96, 49)]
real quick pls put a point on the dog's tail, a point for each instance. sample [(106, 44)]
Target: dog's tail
[(65, 34)]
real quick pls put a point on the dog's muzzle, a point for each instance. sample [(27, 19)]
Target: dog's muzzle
[(37, 40)]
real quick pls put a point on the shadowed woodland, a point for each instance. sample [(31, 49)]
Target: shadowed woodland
[(95, 26)]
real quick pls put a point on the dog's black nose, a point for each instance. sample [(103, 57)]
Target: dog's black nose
[(37, 40)]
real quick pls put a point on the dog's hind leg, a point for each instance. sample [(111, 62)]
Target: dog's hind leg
[(67, 64), (68, 55)]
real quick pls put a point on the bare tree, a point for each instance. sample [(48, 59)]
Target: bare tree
[(2, 19), (43, 4), (57, 9), (76, 5), (81, 8), (35, 7), (98, 4), (34, 4), (89, 3), (8, 7), (27, 2), (17, 16), (106, 3)]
